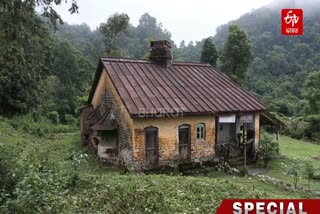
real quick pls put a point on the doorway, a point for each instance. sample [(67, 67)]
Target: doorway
[(151, 146), (184, 142)]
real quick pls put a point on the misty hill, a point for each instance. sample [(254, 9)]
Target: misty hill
[(280, 63), (278, 69)]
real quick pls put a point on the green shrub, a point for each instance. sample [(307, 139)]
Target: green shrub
[(70, 119), (38, 191), (40, 127), (297, 128), (309, 171), (243, 171), (268, 148), (76, 161), (10, 170), (314, 125), (294, 169), (304, 127), (54, 117)]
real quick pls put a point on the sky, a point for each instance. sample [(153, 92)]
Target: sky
[(186, 20)]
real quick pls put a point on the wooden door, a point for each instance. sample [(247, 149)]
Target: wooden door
[(151, 146), (184, 142)]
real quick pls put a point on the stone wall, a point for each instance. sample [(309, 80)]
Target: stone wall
[(108, 98), (201, 150)]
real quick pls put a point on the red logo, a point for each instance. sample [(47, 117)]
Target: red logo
[(292, 22)]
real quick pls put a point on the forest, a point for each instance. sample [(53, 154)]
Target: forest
[(37, 50), (47, 68)]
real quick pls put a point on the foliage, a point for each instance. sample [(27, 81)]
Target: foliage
[(40, 127), (24, 52), (209, 53), (309, 171), (24, 63), (297, 128), (190, 52), (9, 170), (280, 64), (77, 160), (243, 171), (115, 25), (136, 42), (294, 169), (38, 190), (236, 54), (66, 86), (53, 116), (268, 148), (311, 92), (314, 126)]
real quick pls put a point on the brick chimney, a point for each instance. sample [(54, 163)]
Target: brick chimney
[(161, 53)]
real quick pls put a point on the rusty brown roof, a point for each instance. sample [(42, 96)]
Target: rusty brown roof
[(188, 88)]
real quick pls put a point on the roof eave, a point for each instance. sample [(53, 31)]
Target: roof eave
[(182, 114)]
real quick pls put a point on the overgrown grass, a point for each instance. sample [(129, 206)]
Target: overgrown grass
[(293, 148), (46, 167)]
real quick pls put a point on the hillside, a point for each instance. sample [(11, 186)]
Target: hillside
[(281, 63)]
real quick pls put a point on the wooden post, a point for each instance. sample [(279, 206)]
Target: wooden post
[(244, 144)]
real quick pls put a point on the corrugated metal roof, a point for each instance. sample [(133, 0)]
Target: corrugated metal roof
[(188, 88)]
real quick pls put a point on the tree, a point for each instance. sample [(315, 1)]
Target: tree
[(72, 72), (268, 148), (115, 25), (209, 53), (236, 54), (25, 45), (311, 92)]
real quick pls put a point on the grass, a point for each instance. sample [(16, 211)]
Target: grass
[(293, 148), (103, 189)]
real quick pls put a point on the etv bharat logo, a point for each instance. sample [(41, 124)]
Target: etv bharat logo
[(292, 22)]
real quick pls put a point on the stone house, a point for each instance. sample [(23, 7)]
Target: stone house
[(144, 113)]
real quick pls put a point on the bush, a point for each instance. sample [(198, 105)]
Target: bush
[(76, 160), (243, 171), (309, 171), (54, 117), (268, 148), (308, 127), (40, 127), (40, 186), (297, 128), (314, 125), (10, 171), (294, 169)]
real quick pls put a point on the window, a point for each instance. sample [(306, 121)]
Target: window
[(201, 131)]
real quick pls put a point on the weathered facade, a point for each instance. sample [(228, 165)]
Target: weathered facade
[(145, 113)]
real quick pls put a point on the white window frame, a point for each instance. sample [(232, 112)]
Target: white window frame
[(201, 131)]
